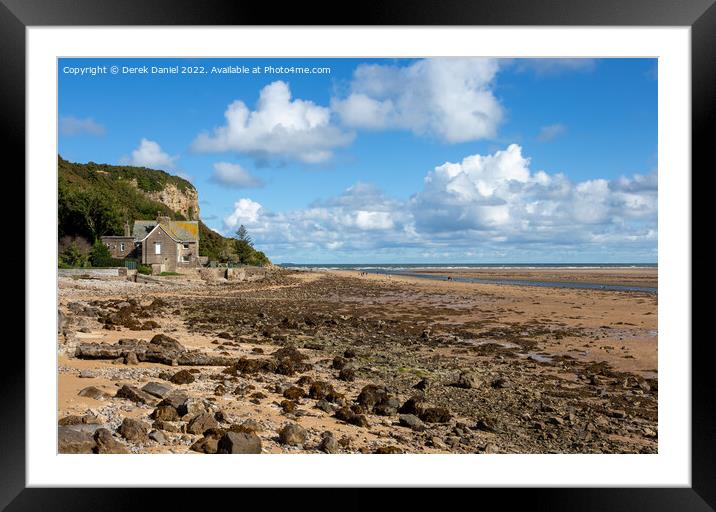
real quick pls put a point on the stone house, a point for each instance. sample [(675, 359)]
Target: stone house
[(164, 244)]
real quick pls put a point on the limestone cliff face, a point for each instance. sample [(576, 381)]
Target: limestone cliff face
[(185, 202)]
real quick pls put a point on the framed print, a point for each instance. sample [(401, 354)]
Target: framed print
[(457, 236)]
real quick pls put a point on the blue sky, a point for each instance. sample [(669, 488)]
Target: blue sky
[(385, 160)]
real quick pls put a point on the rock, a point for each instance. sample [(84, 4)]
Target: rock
[(339, 362), (388, 449), (322, 389), (387, 407), (197, 358), (150, 325), (202, 422), (500, 383), (290, 353), (294, 393), (106, 443), (412, 405), (157, 389), (166, 426), (165, 413), (131, 359), (94, 393), (372, 395), (158, 436), (435, 415), (70, 420), (468, 380), (136, 395), (72, 440), (293, 434), (288, 406), (412, 422), (206, 445), (239, 442), (326, 406), (347, 374), (349, 353), (163, 349), (438, 443), (87, 374), (246, 426), (175, 399), (134, 430), (423, 384), (182, 377), (329, 444), (345, 414), (486, 425)]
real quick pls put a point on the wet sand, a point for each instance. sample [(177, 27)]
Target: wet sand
[(643, 277)]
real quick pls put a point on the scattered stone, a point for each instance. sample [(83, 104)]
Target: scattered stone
[(388, 449), (411, 421), (423, 384), (347, 374), (131, 359), (158, 436), (500, 383), (106, 443), (339, 363), (202, 422), (72, 440), (239, 442), (165, 413), (486, 425), (134, 430), (246, 426), (435, 415), (288, 406), (94, 393), (208, 444), (326, 406), (294, 393), (157, 389), (345, 414), (293, 434), (349, 353), (468, 380), (328, 443), (136, 395), (182, 377)]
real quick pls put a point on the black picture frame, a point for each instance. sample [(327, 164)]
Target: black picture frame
[(700, 15)]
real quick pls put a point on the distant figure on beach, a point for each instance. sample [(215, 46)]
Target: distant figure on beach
[(449, 278)]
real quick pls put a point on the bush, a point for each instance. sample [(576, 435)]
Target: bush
[(73, 256), (99, 254), (144, 269)]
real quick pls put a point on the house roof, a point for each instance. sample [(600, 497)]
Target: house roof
[(183, 231)]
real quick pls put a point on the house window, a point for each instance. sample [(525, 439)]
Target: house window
[(186, 245), (186, 258), (121, 246), (157, 248)]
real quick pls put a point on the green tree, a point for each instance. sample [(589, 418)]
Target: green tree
[(98, 253), (73, 256), (242, 235)]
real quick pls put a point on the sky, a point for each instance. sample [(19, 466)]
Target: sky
[(447, 160)]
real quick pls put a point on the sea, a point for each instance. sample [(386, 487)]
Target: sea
[(409, 270)]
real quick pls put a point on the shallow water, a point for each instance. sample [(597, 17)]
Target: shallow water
[(523, 282)]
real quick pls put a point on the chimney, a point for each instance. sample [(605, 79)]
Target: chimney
[(126, 228)]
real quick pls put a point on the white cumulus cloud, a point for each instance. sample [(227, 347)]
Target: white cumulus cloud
[(245, 211), (448, 98), (279, 128), (490, 206), (233, 175), (150, 154)]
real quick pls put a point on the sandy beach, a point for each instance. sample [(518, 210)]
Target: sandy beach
[(340, 362)]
